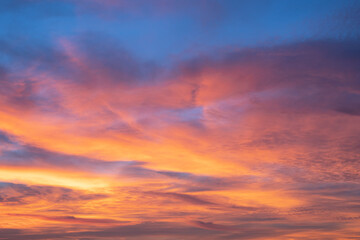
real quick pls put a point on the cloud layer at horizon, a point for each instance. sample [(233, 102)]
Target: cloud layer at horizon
[(179, 119)]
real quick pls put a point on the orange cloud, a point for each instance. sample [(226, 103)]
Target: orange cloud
[(255, 136)]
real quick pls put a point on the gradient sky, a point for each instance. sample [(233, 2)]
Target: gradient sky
[(179, 119)]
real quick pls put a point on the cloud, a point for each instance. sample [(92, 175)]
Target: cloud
[(183, 197), (146, 229), (27, 194), (212, 226), (71, 219), (242, 143), (309, 79)]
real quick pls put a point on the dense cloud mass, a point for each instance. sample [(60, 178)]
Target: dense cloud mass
[(111, 131)]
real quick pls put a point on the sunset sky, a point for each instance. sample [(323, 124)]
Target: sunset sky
[(179, 119)]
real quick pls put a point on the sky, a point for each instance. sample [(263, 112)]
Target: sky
[(179, 119)]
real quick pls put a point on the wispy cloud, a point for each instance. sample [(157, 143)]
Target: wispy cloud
[(254, 141)]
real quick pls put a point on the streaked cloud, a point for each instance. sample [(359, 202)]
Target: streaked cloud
[(101, 138)]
